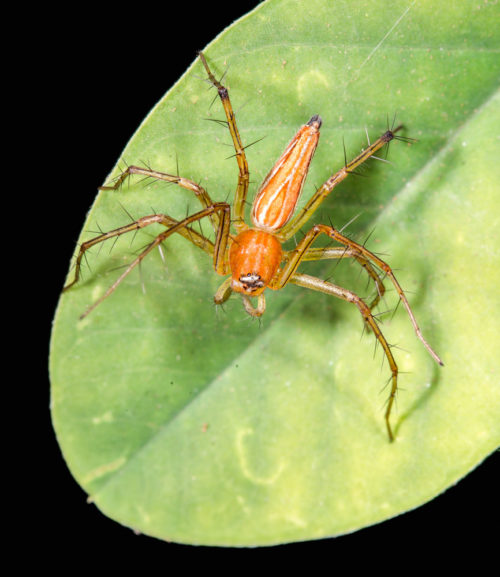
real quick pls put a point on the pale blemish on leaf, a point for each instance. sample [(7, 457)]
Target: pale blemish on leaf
[(106, 417), (245, 454), (310, 83), (104, 470)]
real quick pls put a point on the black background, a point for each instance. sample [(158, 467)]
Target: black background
[(100, 75)]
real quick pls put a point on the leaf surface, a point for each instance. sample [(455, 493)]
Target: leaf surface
[(200, 426)]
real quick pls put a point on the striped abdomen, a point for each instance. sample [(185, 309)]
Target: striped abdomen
[(277, 197)]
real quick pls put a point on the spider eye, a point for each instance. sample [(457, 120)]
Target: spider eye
[(252, 281)]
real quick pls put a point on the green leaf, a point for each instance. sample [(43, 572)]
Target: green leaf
[(198, 425)]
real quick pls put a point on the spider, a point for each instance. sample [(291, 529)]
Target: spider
[(254, 256)]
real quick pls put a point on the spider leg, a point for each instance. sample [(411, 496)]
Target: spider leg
[(199, 191), (346, 252), (290, 267), (244, 175), (195, 237), (315, 201), (317, 284), (182, 227)]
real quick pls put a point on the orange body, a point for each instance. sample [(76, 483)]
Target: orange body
[(255, 254)]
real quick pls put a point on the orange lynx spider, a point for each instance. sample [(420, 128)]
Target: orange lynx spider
[(254, 256)]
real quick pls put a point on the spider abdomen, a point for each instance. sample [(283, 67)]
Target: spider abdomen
[(254, 258), (277, 197)]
